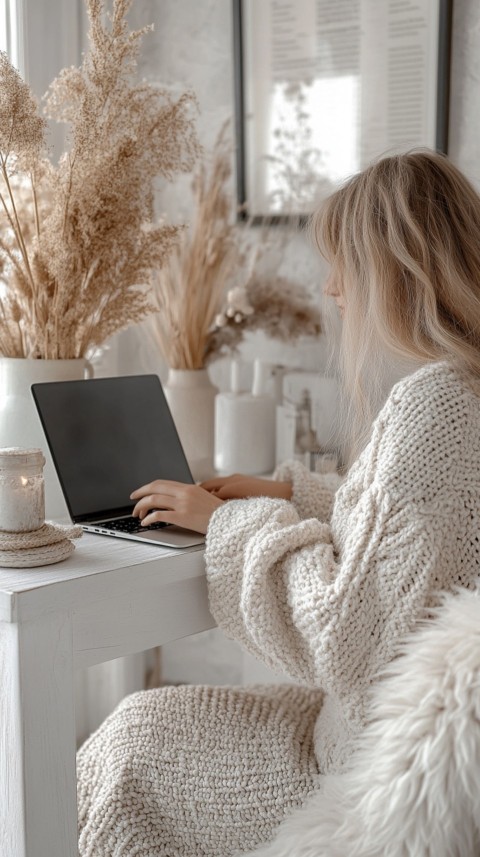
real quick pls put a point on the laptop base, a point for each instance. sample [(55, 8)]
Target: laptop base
[(170, 537)]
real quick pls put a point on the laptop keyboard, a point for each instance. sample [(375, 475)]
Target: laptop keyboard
[(131, 525)]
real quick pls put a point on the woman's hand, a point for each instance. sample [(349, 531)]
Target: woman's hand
[(240, 487), (188, 506)]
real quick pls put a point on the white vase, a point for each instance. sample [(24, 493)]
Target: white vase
[(191, 397), (19, 422)]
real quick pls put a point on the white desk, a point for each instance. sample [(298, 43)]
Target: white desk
[(111, 598)]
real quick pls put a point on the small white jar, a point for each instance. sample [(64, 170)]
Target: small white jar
[(22, 490)]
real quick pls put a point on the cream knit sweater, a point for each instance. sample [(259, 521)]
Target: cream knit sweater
[(324, 586)]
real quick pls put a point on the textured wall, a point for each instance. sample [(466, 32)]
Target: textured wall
[(192, 44)]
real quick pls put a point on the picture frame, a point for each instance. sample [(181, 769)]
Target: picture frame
[(322, 87)]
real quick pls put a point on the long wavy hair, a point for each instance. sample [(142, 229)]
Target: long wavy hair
[(403, 241)]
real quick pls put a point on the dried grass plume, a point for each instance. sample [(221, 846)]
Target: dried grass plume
[(79, 242), (190, 287), (215, 285)]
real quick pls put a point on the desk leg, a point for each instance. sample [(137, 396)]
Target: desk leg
[(38, 813)]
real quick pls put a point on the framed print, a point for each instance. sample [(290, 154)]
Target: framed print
[(322, 87)]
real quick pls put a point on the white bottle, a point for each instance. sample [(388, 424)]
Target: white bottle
[(245, 425)]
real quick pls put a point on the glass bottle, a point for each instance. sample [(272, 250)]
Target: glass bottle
[(305, 437)]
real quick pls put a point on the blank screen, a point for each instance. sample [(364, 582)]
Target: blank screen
[(109, 436)]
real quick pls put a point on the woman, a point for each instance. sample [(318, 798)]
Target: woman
[(313, 577)]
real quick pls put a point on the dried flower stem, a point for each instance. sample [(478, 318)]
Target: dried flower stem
[(14, 223), (10, 255), (35, 206)]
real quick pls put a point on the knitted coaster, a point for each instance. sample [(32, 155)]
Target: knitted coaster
[(45, 546), (46, 535), (32, 557)]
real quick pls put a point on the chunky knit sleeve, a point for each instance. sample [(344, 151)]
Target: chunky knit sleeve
[(279, 587), (312, 494)]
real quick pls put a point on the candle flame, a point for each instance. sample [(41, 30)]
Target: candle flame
[(24, 480)]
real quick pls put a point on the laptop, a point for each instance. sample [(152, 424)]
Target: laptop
[(107, 437)]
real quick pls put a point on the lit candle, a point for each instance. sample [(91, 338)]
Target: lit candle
[(22, 490)]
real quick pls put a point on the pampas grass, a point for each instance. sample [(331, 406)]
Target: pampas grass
[(213, 287), (189, 290), (79, 242)]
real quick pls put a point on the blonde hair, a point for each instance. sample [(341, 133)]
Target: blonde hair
[(403, 240)]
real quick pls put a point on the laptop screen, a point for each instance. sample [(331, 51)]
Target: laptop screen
[(109, 436)]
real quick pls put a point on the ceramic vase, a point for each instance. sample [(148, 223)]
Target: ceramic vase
[(191, 397), (19, 422)]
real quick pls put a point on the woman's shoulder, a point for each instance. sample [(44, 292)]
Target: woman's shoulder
[(438, 380), (433, 393), (429, 430)]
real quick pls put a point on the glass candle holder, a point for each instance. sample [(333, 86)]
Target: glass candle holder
[(22, 490)]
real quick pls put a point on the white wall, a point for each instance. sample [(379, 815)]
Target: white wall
[(51, 35), (192, 46)]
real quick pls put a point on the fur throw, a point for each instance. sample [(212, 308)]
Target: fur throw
[(412, 788)]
